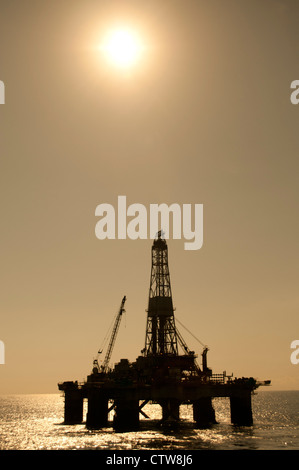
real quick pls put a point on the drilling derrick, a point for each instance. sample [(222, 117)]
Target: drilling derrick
[(161, 357), (160, 331)]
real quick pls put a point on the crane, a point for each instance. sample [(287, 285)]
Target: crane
[(187, 350), (185, 347), (104, 367)]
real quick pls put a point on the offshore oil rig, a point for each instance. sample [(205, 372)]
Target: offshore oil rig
[(160, 375)]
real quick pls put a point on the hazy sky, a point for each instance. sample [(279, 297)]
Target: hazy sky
[(205, 117)]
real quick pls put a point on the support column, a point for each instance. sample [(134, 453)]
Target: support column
[(241, 411), (73, 406), (170, 410), (126, 416), (97, 412), (203, 412)]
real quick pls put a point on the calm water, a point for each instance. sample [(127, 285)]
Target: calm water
[(34, 422)]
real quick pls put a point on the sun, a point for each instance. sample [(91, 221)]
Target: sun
[(122, 48)]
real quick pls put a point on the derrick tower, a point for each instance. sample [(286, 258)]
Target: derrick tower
[(161, 336)]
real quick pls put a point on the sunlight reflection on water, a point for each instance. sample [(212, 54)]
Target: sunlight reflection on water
[(31, 422)]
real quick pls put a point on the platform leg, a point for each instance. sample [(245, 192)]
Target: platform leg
[(170, 410), (203, 412), (73, 407), (241, 411), (126, 416), (97, 411)]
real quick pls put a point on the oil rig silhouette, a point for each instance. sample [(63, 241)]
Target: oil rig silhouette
[(160, 375)]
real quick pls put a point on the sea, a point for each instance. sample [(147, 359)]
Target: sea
[(35, 422)]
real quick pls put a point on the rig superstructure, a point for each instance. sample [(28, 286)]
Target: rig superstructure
[(160, 375)]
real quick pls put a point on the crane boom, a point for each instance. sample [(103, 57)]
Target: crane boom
[(186, 349), (105, 364)]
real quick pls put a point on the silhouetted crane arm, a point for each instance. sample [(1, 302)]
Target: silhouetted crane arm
[(186, 349), (105, 364)]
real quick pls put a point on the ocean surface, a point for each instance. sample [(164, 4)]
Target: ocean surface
[(35, 422)]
